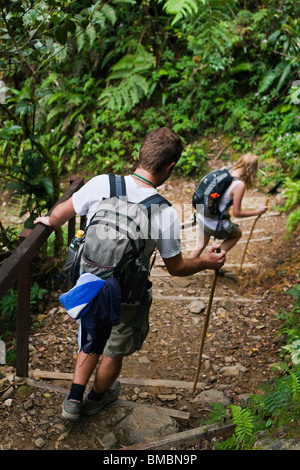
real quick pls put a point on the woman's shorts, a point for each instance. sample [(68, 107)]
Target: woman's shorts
[(224, 233), (129, 335)]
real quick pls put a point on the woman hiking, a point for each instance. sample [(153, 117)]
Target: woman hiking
[(244, 174)]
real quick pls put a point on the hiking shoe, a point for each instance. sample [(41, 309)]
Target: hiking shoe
[(222, 272), (92, 407), (71, 409)]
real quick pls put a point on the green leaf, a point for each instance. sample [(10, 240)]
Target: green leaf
[(295, 96), (91, 34), (35, 166), (47, 183), (27, 156), (70, 26), (109, 13), (9, 131), (243, 67), (267, 81), (61, 35), (283, 77), (24, 107), (259, 15)]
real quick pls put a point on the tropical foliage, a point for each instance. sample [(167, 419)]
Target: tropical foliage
[(83, 80)]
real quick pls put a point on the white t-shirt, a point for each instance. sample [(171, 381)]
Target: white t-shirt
[(164, 223), (226, 198)]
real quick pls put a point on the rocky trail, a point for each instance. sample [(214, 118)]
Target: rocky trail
[(156, 408)]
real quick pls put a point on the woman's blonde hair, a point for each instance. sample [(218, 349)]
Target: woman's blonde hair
[(248, 163)]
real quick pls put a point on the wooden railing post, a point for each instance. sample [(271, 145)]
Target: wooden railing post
[(23, 315), (23, 322)]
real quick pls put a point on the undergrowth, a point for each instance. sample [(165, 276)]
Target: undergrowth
[(275, 412)]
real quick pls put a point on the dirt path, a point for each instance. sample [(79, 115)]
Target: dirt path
[(240, 348)]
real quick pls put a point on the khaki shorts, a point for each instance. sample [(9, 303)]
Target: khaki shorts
[(129, 335), (224, 233)]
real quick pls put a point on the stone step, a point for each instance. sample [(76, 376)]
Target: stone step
[(191, 223), (241, 242), (191, 298)]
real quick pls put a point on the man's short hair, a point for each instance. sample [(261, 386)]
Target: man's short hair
[(160, 148)]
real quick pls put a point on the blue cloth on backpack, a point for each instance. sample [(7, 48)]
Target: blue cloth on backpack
[(97, 304), (105, 312), (78, 300)]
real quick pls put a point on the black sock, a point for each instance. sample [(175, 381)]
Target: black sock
[(94, 395), (76, 392)]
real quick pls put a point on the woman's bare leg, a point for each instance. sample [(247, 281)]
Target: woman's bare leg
[(229, 243), (196, 252)]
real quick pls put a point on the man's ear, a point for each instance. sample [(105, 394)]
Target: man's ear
[(169, 167)]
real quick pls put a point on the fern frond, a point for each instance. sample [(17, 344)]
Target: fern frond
[(55, 111), (130, 93), (292, 220), (137, 63), (276, 401), (140, 83), (131, 85), (294, 384), (281, 71), (267, 81), (228, 444), (116, 100), (244, 423), (180, 8), (244, 429), (126, 95)]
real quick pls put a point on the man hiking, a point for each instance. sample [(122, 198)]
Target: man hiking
[(158, 154)]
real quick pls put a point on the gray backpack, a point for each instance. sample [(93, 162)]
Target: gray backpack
[(117, 241)]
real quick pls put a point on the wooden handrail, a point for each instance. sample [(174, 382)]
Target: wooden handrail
[(17, 269)]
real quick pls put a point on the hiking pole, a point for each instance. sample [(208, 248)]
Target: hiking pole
[(251, 231), (206, 322)]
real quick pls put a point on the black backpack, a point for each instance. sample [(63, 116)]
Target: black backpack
[(210, 190)]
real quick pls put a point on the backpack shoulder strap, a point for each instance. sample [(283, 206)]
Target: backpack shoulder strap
[(156, 199), (118, 188), (117, 185)]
